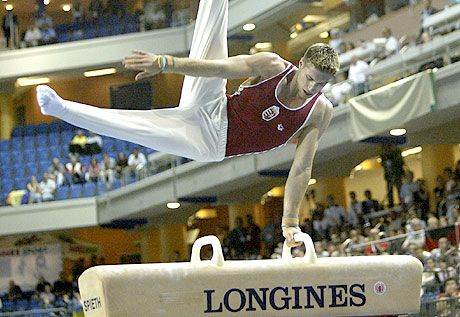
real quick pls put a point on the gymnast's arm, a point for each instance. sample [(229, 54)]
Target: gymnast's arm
[(300, 173), (236, 67)]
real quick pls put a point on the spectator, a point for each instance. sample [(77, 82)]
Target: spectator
[(14, 291), (421, 199), (270, 235), (44, 19), (40, 287), (457, 170), (96, 9), (48, 35), (395, 222), (446, 271), (62, 285), (453, 211), (10, 29), (357, 74), (78, 143), (376, 247), (154, 15), (108, 165), (426, 12), (408, 188), (369, 205), (450, 305), (391, 44), (78, 268), (393, 166), (429, 279), (335, 41), (74, 171), (14, 197), (355, 213), (94, 171), (77, 11), (121, 167), (35, 192), (48, 188), (252, 244), (432, 222), (416, 235), (56, 172), (238, 239), (168, 9), (93, 144), (443, 251), (137, 164), (33, 35), (47, 297), (439, 192), (334, 214), (116, 7)]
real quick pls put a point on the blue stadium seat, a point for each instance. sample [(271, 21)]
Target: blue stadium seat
[(4, 157), (29, 130), (44, 165), (18, 131), (22, 304), (43, 154), (89, 33), (41, 139), (35, 303), (54, 127), (101, 188), (4, 146), (84, 160), (116, 184), (17, 144), (21, 182), (41, 128), (54, 138), (75, 191), (66, 137), (8, 305), (29, 142), (7, 186), (89, 189), (63, 193)]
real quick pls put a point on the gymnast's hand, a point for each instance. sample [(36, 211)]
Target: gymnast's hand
[(288, 233), (147, 63)]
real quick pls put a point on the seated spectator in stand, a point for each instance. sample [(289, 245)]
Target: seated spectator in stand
[(430, 283), (453, 211), (394, 223), (432, 222), (341, 90), (237, 239), (426, 12), (121, 167), (48, 188), (450, 303), (335, 41), (376, 248), (43, 19), (74, 171), (369, 205), (14, 292), (35, 192), (93, 144), (40, 287), (416, 235), (116, 7), (154, 15), (108, 166), (137, 164), (48, 35), (56, 172), (33, 35), (439, 193), (14, 197), (93, 171), (457, 170), (357, 74), (96, 9), (62, 286), (78, 143), (391, 45), (443, 251), (47, 297)]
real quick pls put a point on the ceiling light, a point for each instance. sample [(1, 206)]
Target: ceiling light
[(294, 35), (324, 35), (412, 151), (314, 18), (298, 27), (263, 45), (359, 168), (100, 72), (173, 205), (30, 81), (312, 181), (46, 2), (66, 7), (9, 7), (249, 27), (398, 132)]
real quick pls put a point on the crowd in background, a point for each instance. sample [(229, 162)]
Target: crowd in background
[(103, 172), (41, 30)]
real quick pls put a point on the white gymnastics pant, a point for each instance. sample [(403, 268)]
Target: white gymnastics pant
[(197, 129)]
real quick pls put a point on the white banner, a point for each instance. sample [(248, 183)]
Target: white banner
[(24, 265)]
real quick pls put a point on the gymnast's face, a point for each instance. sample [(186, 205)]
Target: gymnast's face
[(310, 80)]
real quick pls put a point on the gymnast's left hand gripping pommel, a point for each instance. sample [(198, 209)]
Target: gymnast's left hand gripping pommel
[(310, 254)]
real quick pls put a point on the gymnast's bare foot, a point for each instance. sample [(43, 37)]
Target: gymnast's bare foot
[(49, 101)]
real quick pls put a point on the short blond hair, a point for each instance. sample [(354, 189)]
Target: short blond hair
[(323, 57)]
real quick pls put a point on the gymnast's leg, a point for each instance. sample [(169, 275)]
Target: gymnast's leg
[(177, 131)]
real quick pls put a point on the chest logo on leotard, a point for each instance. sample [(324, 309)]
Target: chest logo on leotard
[(271, 113)]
